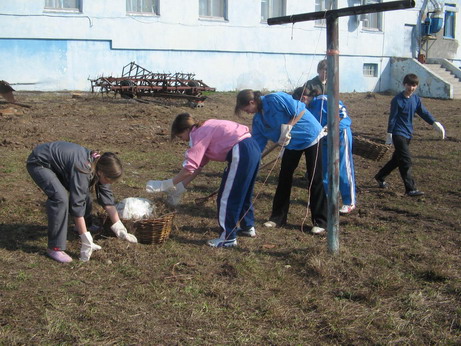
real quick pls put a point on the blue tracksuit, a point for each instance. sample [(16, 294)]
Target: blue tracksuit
[(318, 107), (277, 109), (236, 190)]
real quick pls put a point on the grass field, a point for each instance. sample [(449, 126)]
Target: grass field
[(395, 281)]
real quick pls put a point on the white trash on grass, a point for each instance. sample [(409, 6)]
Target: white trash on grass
[(134, 208)]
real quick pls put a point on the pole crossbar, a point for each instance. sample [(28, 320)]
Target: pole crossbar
[(342, 12), (332, 36)]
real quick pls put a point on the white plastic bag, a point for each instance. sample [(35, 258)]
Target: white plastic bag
[(134, 208)]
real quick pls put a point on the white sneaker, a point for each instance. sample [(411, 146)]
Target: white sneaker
[(317, 230), (249, 232), (218, 242), (269, 224), (346, 209)]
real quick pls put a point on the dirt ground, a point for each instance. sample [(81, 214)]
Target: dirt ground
[(388, 233)]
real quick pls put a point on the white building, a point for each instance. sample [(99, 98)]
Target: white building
[(61, 44)]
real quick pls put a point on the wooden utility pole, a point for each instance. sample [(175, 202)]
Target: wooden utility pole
[(331, 17)]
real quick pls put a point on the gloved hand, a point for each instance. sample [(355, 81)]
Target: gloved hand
[(175, 195), (324, 132), (159, 185), (87, 246), (285, 135), (439, 127), (389, 139), (120, 231)]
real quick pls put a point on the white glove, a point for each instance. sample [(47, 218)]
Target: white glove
[(389, 138), (175, 195), (159, 185), (120, 231), (439, 127), (285, 135), (87, 246)]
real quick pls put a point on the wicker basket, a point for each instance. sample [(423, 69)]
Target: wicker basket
[(368, 149), (153, 231), (148, 231)]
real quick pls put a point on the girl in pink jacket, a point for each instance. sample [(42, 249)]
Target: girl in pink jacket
[(218, 140)]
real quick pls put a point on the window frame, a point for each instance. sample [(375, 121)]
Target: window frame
[(155, 11), (370, 70), (377, 17), (449, 21), (209, 15), (59, 6), (270, 9), (321, 5)]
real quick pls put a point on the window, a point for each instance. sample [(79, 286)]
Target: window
[(67, 5), (272, 8), (324, 5), (213, 8), (371, 21), (450, 20), (143, 6), (370, 70)]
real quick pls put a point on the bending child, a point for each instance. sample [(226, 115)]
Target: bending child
[(318, 105), (400, 131), (218, 140), (280, 118), (67, 172)]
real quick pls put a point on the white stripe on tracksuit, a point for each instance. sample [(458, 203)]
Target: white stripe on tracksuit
[(228, 188), (349, 174)]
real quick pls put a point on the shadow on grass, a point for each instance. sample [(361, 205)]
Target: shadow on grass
[(184, 240), (195, 210), (204, 189), (427, 157), (19, 237)]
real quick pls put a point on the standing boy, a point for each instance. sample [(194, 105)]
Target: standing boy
[(400, 130), (319, 82)]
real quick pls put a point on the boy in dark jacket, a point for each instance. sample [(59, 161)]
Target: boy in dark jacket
[(400, 130)]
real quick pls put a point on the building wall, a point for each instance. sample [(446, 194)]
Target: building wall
[(58, 51), (429, 86)]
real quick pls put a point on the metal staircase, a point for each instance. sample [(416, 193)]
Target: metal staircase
[(447, 76)]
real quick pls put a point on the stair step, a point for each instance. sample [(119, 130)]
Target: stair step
[(448, 77), (445, 74)]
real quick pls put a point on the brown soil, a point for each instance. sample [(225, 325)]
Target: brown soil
[(397, 279)]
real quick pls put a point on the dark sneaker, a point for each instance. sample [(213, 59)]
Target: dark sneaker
[(381, 183), (415, 193)]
